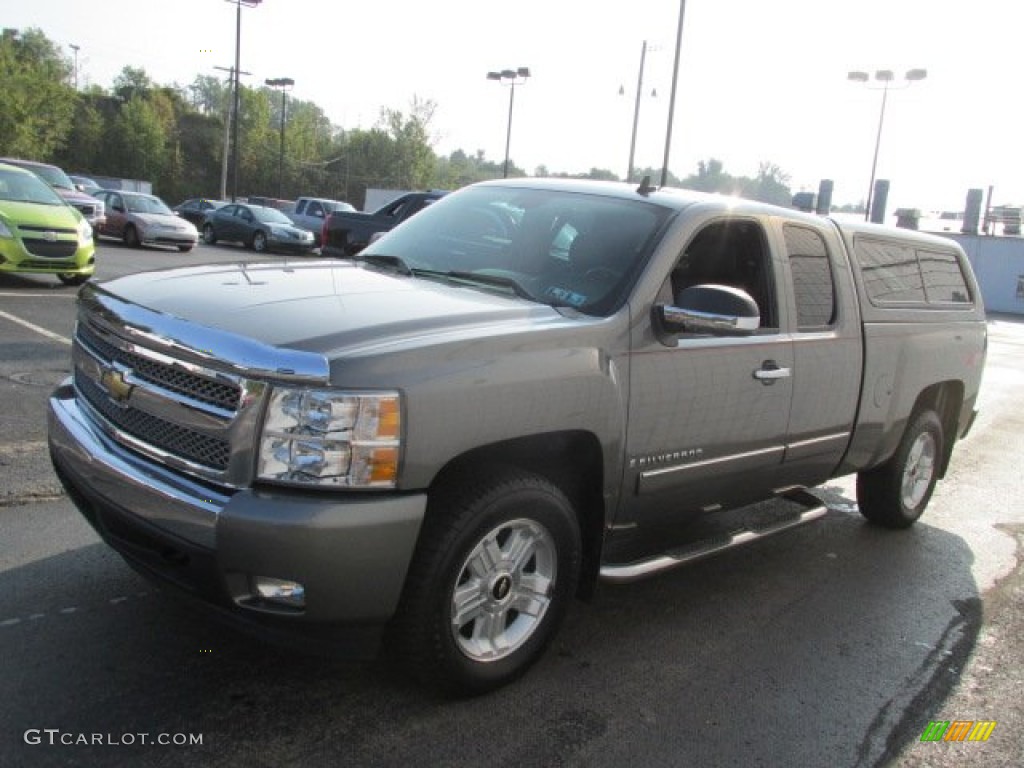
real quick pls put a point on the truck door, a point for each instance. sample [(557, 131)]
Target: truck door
[(827, 349), (708, 414)]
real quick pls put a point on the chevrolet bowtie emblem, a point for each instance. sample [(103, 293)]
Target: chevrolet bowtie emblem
[(115, 384)]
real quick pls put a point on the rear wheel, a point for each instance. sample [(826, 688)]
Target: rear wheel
[(895, 494), (209, 237), (131, 237), (496, 567), (259, 242)]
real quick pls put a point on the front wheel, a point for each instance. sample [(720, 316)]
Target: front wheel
[(184, 248), (895, 494), (496, 567)]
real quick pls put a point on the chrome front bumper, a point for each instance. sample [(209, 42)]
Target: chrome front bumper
[(350, 551)]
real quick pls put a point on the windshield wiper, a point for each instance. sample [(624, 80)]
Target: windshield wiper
[(491, 281), (384, 260)]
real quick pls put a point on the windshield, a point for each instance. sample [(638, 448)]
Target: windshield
[(269, 215), (144, 204), (555, 247), (25, 188), (53, 176)]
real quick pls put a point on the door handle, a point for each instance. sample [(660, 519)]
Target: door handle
[(770, 371)]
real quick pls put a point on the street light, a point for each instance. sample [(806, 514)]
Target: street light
[(237, 72), (284, 83), (636, 108), (886, 78), (672, 98), (512, 78)]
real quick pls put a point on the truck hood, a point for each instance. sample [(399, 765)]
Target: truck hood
[(330, 308)]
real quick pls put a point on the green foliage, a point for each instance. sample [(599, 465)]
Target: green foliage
[(771, 185), (38, 101), (136, 142), (84, 148)]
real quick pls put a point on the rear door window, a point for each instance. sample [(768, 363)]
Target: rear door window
[(813, 286)]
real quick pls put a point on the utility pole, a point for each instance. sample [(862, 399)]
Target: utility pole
[(76, 49), (227, 136)]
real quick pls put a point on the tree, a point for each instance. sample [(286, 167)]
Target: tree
[(38, 102), (131, 82), (413, 146), (770, 186), (136, 142), (84, 148)]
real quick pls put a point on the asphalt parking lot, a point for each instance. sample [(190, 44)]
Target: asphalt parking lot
[(835, 644)]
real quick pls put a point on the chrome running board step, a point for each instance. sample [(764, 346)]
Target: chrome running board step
[(698, 550)]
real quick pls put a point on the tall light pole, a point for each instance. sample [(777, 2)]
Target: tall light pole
[(284, 83), (636, 109), (76, 49), (672, 98), (238, 65), (511, 78), (886, 78)]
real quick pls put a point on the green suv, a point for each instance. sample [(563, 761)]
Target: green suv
[(39, 232)]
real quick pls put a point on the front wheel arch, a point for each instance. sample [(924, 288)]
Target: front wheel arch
[(492, 578)]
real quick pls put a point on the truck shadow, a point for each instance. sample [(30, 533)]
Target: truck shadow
[(832, 644)]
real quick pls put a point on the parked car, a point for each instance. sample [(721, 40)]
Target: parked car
[(85, 184), (88, 206), (257, 227), (141, 219), (39, 232), (195, 209)]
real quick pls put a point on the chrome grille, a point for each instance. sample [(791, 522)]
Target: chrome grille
[(176, 380), (202, 449)]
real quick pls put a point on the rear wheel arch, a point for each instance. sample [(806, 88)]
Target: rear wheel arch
[(946, 400)]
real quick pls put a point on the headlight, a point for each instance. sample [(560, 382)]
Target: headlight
[(5, 230), (331, 438), (84, 232)]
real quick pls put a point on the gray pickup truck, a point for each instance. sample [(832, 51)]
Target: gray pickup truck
[(530, 386), (310, 213)]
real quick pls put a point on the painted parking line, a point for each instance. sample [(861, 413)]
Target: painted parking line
[(38, 295), (36, 328)]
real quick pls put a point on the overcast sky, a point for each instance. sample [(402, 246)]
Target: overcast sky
[(759, 80)]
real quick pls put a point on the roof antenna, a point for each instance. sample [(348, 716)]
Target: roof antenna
[(645, 187)]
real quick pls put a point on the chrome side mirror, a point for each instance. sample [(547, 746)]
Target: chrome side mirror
[(719, 310)]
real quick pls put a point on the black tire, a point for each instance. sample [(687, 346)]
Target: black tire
[(131, 237), (506, 543), (259, 242), (184, 248), (895, 493), (71, 279), (209, 237)]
